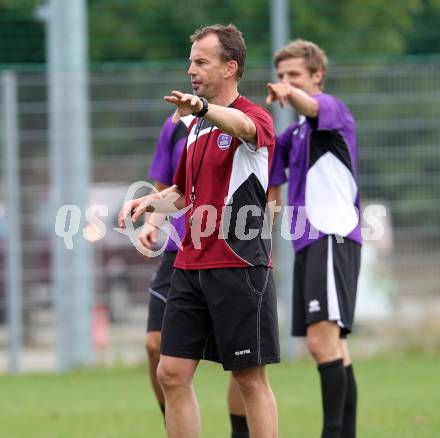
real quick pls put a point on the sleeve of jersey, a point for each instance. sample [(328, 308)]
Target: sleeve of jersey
[(329, 116), (161, 168), (277, 174), (280, 162), (180, 176), (265, 135), (284, 143)]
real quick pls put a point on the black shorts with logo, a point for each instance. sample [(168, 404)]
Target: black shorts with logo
[(325, 284), (160, 285), (227, 315)]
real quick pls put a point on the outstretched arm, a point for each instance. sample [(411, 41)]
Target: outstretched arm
[(230, 120), (299, 99)]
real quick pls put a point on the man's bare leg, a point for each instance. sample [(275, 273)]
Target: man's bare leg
[(237, 411), (259, 402), (152, 346), (182, 411)]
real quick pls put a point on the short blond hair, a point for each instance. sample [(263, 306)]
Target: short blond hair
[(314, 57)]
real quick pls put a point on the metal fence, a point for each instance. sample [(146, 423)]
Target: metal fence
[(397, 108)]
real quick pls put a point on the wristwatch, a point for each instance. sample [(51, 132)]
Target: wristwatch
[(204, 109)]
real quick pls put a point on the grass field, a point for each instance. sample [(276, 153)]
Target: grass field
[(400, 397)]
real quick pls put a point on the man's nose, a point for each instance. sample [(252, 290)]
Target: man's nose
[(191, 69)]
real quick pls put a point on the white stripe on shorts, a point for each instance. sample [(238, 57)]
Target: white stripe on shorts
[(332, 296), (157, 295)]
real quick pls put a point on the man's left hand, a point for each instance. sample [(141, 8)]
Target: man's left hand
[(186, 104)]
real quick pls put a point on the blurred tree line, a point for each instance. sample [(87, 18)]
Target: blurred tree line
[(158, 30)]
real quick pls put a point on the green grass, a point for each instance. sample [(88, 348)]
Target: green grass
[(399, 397)]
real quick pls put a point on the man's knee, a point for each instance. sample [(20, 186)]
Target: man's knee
[(152, 345), (249, 382), (171, 375), (315, 344), (323, 341)]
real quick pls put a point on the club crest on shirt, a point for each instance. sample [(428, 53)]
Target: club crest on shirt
[(224, 141)]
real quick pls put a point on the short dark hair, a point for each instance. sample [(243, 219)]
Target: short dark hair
[(231, 41)]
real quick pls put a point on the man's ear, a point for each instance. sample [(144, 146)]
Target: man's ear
[(231, 68), (318, 77)]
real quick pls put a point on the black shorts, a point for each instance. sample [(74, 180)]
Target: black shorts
[(159, 287), (325, 284), (225, 315)]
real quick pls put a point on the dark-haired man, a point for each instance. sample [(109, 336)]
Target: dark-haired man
[(222, 303), (169, 149)]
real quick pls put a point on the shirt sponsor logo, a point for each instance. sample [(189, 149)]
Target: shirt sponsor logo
[(224, 141), (242, 352), (314, 306)]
